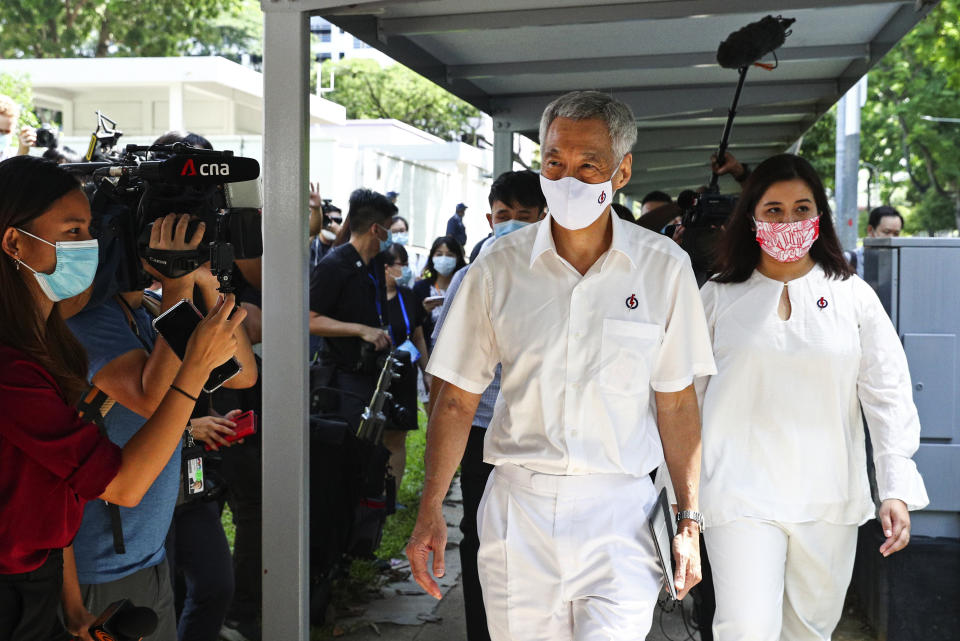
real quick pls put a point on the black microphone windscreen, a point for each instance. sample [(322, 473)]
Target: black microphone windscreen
[(134, 622), (751, 43), (190, 169)]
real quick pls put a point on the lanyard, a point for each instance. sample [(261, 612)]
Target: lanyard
[(376, 287), (406, 319)]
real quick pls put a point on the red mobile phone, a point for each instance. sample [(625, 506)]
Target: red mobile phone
[(246, 426)]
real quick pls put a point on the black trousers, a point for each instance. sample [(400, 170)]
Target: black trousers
[(241, 470), (197, 547), (29, 603), (473, 480)]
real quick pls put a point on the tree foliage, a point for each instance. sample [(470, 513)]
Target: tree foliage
[(99, 28), (919, 77), (19, 88), (369, 91)]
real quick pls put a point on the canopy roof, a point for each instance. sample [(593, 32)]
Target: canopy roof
[(510, 57)]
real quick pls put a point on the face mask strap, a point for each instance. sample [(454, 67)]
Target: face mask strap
[(23, 231)]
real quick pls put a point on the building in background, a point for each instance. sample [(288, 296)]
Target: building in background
[(333, 43)]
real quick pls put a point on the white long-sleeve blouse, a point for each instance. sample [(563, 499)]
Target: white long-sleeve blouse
[(783, 436)]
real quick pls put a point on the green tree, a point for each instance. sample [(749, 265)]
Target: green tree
[(19, 88), (88, 28), (369, 91), (919, 77)]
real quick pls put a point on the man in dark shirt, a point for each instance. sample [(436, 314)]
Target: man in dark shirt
[(348, 301), (455, 226)]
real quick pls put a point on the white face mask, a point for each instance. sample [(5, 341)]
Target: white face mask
[(5, 141), (575, 204)]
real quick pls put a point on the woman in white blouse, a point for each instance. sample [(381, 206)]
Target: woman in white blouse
[(800, 345)]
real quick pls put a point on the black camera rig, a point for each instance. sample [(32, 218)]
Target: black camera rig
[(131, 188), (705, 212)]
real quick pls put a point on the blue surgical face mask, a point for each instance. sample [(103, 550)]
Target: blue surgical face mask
[(385, 244), (507, 226), (444, 264), (401, 238), (406, 278), (76, 266), (5, 141)]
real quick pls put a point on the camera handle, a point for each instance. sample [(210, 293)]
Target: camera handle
[(722, 150), (222, 255)]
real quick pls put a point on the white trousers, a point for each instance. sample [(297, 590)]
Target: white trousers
[(567, 557), (779, 581)]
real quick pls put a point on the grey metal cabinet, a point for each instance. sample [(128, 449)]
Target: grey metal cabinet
[(918, 282)]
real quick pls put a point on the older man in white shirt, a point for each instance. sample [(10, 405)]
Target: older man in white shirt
[(600, 331)]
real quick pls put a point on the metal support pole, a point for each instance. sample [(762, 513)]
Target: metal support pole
[(502, 152), (286, 444), (848, 161)]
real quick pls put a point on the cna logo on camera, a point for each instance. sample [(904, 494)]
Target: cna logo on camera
[(204, 168)]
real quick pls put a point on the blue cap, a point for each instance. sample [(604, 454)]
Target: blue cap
[(461, 206), (393, 194)]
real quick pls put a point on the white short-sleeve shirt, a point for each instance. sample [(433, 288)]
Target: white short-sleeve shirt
[(580, 354), (783, 437)]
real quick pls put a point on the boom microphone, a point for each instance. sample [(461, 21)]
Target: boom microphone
[(123, 621), (745, 46), (193, 169)]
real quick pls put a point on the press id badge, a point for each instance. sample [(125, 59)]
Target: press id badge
[(410, 348), (192, 471)]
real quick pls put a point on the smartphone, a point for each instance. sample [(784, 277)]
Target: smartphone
[(246, 426), (433, 299), (176, 325)]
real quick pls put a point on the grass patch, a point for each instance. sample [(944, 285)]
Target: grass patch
[(226, 518)]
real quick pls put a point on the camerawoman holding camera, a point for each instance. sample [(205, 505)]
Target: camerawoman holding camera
[(51, 462), (120, 553)]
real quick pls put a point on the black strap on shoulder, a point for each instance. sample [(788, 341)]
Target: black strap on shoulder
[(93, 407)]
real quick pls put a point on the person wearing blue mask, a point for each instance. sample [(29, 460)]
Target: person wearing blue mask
[(509, 215), (348, 305), (53, 463), (445, 258), (516, 201)]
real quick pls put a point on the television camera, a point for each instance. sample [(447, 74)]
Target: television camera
[(132, 187)]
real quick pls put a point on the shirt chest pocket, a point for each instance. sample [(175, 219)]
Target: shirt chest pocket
[(627, 354)]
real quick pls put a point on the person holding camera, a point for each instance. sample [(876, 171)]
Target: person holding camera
[(52, 462), (325, 221), (348, 306), (804, 351), (121, 552), (25, 137)]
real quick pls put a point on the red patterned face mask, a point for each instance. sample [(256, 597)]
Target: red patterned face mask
[(787, 242)]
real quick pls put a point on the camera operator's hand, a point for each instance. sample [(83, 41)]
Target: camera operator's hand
[(378, 337), (213, 341), (170, 233), (27, 139), (210, 429), (730, 166)]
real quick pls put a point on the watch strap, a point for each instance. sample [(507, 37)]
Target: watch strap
[(692, 515)]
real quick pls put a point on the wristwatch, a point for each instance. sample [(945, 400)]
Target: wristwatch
[(693, 516)]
